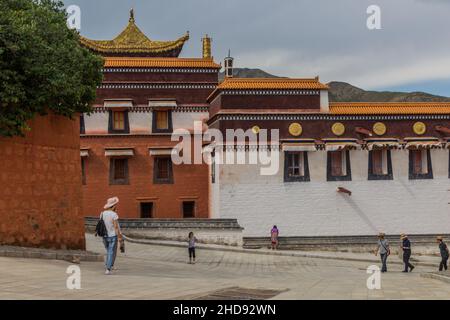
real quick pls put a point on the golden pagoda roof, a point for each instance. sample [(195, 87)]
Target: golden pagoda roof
[(132, 41), (271, 83), (138, 62), (366, 108), (268, 84)]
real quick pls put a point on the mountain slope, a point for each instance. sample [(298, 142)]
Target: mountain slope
[(345, 92)]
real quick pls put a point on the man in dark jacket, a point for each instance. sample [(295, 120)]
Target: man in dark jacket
[(444, 253), (406, 247)]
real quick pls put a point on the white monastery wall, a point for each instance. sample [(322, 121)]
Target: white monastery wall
[(315, 208)]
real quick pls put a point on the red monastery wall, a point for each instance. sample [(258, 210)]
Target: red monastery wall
[(40, 194)]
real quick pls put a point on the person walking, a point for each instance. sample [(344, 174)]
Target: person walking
[(274, 237), (383, 248), (113, 234), (444, 253), (406, 247), (191, 247)]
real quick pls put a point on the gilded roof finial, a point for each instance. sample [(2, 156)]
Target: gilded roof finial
[(131, 15)]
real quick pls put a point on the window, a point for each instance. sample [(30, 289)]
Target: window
[(146, 210), (162, 170), (82, 127), (296, 166), (420, 164), (83, 170), (188, 209), (338, 166), (118, 171), (162, 121), (118, 122), (213, 167), (380, 165)]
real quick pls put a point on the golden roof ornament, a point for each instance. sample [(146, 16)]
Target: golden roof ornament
[(133, 42)]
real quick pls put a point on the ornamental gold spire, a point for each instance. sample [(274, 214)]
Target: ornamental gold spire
[(206, 46), (131, 15)]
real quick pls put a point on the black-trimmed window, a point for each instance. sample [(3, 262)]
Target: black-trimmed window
[(83, 170), (118, 121), (296, 166), (188, 208), (380, 165), (118, 171), (162, 121), (82, 126), (213, 167), (146, 209), (162, 170), (338, 166), (420, 164)]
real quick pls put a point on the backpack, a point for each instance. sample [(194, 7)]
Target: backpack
[(100, 229)]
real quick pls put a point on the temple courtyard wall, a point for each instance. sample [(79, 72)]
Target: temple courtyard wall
[(315, 208), (40, 193)]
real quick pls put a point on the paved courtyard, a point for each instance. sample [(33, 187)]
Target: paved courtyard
[(159, 272)]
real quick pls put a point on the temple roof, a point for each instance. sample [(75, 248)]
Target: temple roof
[(268, 84), (366, 108), (137, 62), (133, 42)]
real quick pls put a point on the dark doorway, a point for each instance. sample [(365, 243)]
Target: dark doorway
[(188, 209), (147, 210)]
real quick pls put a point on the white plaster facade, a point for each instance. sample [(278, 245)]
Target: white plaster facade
[(315, 208)]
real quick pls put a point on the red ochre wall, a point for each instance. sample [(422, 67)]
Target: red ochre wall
[(40, 191), (190, 181)]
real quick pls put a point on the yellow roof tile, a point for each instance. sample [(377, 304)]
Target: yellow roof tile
[(357, 108), (271, 83), (160, 62)]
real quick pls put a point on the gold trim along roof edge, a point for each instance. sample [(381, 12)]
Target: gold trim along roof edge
[(160, 62), (368, 108)]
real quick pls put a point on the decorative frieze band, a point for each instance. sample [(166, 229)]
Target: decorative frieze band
[(304, 117), (271, 92), (143, 109), (162, 70), (155, 86)]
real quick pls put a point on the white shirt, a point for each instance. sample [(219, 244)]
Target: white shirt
[(108, 217)]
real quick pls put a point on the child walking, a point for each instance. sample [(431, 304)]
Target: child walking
[(191, 247)]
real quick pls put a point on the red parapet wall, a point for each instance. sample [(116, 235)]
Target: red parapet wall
[(40, 193)]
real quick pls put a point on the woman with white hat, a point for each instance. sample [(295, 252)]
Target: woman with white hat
[(113, 234)]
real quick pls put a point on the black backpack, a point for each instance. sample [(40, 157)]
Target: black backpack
[(100, 229)]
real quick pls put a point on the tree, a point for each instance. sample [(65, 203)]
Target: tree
[(43, 68)]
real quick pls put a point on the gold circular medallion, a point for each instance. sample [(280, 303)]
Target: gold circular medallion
[(256, 129), (338, 129), (419, 128), (379, 128), (295, 129)]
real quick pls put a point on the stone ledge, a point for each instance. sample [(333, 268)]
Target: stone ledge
[(74, 256)]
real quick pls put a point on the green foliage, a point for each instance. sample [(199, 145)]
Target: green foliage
[(43, 68)]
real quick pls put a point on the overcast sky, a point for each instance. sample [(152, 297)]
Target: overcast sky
[(299, 38)]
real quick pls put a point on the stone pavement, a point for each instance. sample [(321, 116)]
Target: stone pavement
[(161, 272)]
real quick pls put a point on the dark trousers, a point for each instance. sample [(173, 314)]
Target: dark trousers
[(383, 262), (192, 253), (443, 264), (406, 256)]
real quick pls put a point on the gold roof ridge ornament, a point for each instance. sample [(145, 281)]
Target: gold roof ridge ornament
[(133, 42)]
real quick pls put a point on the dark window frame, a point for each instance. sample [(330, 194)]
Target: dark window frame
[(169, 120), (83, 171), (194, 209), (111, 123), (420, 176), (348, 176), (82, 125), (112, 164), (156, 162), (151, 211), (387, 176), (305, 177)]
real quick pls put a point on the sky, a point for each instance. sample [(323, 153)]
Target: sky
[(299, 38)]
